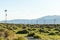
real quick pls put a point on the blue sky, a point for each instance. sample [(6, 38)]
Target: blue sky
[(29, 9)]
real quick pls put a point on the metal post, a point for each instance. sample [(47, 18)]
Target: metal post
[(54, 22), (6, 17), (44, 21), (36, 21)]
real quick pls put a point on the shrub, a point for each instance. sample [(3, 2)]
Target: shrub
[(56, 29), (43, 31), (7, 34), (29, 29), (31, 34), (36, 36), (22, 38), (56, 32), (46, 32), (1, 38), (33, 29), (22, 32), (24, 27), (51, 34), (3, 32)]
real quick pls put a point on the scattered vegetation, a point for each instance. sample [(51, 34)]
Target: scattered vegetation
[(23, 31)]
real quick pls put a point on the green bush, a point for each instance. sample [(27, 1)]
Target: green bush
[(56, 32), (22, 38), (56, 29), (51, 34), (41, 30), (22, 32), (36, 36), (1, 38), (29, 29), (44, 31), (33, 29), (24, 27), (31, 34)]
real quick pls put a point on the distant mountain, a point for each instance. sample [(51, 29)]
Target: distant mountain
[(43, 20)]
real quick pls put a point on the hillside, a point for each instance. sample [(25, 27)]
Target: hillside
[(42, 20)]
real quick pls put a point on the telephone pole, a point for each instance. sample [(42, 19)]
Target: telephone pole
[(6, 18), (44, 21), (54, 22)]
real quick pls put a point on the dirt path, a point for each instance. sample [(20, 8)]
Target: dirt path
[(31, 38)]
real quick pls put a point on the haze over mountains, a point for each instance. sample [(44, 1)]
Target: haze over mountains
[(44, 20)]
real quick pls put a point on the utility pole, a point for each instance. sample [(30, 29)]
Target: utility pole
[(54, 22), (44, 21), (6, 17), (37, 22)]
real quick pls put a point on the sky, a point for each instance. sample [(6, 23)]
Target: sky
[(28, 9)]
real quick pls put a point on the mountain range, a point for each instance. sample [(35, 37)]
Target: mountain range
[(43, 20)]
